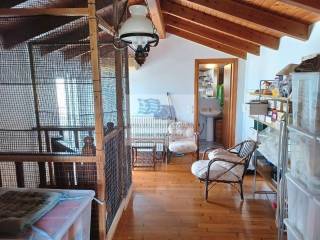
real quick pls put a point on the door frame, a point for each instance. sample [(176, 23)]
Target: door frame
[(233, 94)]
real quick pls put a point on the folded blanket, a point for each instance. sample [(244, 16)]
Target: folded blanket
[(22, 208)]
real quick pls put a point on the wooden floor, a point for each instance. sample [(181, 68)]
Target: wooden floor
[(168, 204)]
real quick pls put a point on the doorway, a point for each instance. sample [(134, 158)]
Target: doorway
[(215, 99)]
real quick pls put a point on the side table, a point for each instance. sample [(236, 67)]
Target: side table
[(143, 154)]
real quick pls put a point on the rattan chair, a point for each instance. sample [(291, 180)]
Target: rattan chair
[(182, 139), (225, 166)]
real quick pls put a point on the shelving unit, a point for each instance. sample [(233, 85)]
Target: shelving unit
[(301, 182), (280, 162), (274, 125), (269, 96)]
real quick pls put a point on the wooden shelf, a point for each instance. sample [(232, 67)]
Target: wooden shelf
[(270, 97)]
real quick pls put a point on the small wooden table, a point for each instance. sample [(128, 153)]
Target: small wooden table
[(143, 154)]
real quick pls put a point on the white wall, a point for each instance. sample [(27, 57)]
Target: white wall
[(170, 68), (270, 62)]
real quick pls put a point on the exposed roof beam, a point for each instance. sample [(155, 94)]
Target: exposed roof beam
[(206, 42), (24, 32), (220, 24), (57, 28), (68, 33), (156, 17), (258, 16), (103, 51), (212, 34), (79, 32), (310, 5), (103, 25), (61, 3), (22, 12), (77, 50), (10, 3), (50, 3), (136, 2)]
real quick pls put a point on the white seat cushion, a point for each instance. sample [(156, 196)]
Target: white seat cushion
[(224, 154), (183, 146), (200, 168)]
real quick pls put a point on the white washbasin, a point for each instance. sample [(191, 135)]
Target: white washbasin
[(210, 113), (210, 109)]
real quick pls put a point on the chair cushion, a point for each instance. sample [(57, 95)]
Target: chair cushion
[(218, 170), (183, 146), (181, 130), (224, 154)]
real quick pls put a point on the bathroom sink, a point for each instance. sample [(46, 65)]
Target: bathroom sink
[(210, 109), (210, 113)]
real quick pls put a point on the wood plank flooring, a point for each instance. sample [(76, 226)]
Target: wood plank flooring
[(168, 204)]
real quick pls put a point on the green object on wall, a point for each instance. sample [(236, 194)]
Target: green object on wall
[(220, 95)]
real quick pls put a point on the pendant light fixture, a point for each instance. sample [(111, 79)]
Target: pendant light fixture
[(139, 33)]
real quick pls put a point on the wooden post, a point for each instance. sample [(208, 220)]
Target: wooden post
[(118, 69), (0, 179), (127, 92), (119, 97), (19, 174), (42, 168), (100, 154), (128, 120), (35, 95)]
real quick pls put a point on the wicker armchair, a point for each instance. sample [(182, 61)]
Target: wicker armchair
[(182, 139), (225, 166)]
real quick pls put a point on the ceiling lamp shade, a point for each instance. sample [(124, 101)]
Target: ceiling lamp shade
[(139, 32)]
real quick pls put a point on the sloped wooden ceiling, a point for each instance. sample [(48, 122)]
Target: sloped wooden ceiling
[(32, 20), (242, 25), (236, 27)]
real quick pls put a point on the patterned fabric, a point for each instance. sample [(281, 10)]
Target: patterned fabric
[(200, 167), (181, 130), (20, 209), (182, 138), (166, 112), (224, 154), (149, 106), (184, 146)]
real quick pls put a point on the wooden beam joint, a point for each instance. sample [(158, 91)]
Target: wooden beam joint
[(221, 25), (24, 12)]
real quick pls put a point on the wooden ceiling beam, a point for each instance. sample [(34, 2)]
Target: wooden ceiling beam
[(77, 50), (24, 12), (220, 25), (258, 16), (68, 33), (24, 32), (212, 34), (136, 2), (10, 3), (206, 42), (156, 17), (103, 51), (61, 3), (59, 28), (310, 5), (105, 26)]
